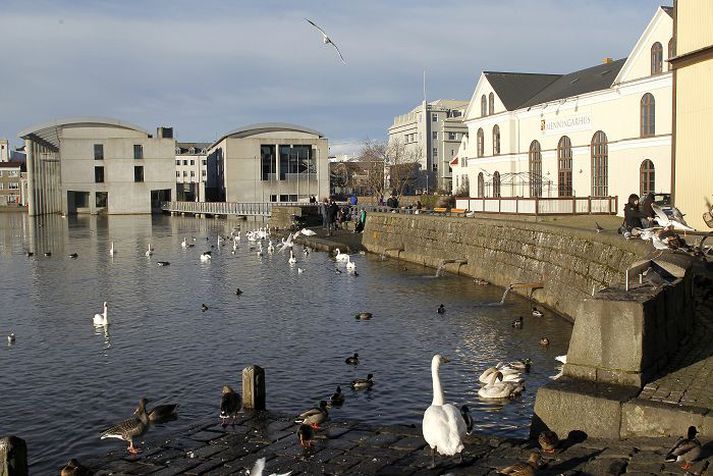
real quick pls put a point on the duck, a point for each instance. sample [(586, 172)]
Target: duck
[(481, 282), (29, 254), (337, 398), (204, 308), (519, 365), (443, 424), (517, 323), (259, 467), (129, 429), (300, 270), (548, 441), (149, 251), (112, 250), (441, 309), (305, 251), (337, 271), (230, 404), (11, 338), (363, 383), (363, 316), (523, 469), (352, 359), (314, 416), (48, 253), (685, 450), (184, 243), (206, 256), (496, 389), (163, 413), (351, 266), (305, 434), (536, 312), (238, 292), (75, 468), (103, 318), (74, 255), (544, 342), (467, 418), (341, 257), (292, 259), (164, 263)]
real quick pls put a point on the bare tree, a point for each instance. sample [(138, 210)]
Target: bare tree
[(390, 164)]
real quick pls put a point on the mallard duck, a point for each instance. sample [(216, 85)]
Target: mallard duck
[(536, 312), (441, 309), (686, 450), (74, 255), (314, 416), (548, 441), (352, 360), (305, 434), (443, 424), (75, 468), (523, 469), (163, 413), (544, 342), (517, 323), (129, 429), (520, 365), (363, 316), (337, 398), (229, 404), (363, 383), (164, 263)]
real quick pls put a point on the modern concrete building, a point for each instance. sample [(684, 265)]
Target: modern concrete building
[(4, 150), (191, 171), (597, 132), (11, 183), (431, 133), (97, 165), (693, 109), (272, 162)]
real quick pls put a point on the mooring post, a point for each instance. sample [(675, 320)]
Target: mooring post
[(253, 388), (13, 456)]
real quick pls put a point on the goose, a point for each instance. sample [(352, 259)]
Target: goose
[(314, 416), (259, 467), (129, 429), (441, 309), (206, 256), (363, 383), (536, 312), (523, 469), (11, 338), (305, 434), (496, 389), (548, 441), (337, 398), (229, 404), (292, 259), (164, 263), (149, 251), (341, 257), (351, 266), (102, 319), (685, 450), (545, 342), (184, 243), (517, 323), (163, 413), (443, 424), (74, 255), (75, 468), (353, 359)]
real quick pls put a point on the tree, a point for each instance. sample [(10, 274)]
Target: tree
[(390, 164)]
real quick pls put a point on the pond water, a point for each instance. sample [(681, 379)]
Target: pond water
[(63, 380)]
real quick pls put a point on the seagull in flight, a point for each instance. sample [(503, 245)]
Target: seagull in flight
[(327, 40)]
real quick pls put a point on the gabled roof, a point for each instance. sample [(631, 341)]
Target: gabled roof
[(668, 10), (48, 133), (514, 89), (579, 82), (262, 128)]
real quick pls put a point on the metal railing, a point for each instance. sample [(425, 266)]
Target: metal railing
[(228, 208), (541, 205)]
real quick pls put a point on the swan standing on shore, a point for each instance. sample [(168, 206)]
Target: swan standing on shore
[(443, 424), (102, 319)]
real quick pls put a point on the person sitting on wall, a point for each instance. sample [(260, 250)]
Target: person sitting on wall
[(646, 208), (353, 200), (632, 215)]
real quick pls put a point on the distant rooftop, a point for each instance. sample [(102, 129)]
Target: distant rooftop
[(48, 132), (266, 127)]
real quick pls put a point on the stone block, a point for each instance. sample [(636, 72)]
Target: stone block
[(651, 418)]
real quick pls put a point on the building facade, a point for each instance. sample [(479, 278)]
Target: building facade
[(431, 134), (273, 162), (599, 132), (191, 171), (97, 165), (11, 178), (693, 110), (4, 150)]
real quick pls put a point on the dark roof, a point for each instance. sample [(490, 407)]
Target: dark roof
[(514, 89), (583, 81), (668, 10)]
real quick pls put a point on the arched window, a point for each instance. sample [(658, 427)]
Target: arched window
[(648, 115), (481, 142), (535, 165), (496, 184), (600, 158), (491, 103), (483, 106), (564, 167), (671, 51), (647, 178), (656, 58), (496, 140), (481, 185)]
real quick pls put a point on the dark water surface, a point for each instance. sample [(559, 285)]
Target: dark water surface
[(63, 381)]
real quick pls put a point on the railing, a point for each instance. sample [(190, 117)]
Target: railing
[(228, 208), (542, 206)]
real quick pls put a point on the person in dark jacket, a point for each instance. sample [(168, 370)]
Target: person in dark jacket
[(332, 216), (632, 214), (647, 210)]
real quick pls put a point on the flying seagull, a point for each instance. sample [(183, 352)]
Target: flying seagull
[(327, 40)]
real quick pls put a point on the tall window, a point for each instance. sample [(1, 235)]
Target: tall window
[(496, 184), (267, 161), (564, 167), (139, 173), (99, 174), (600, 158), (98, 151), (647, 175), (648, 115), (671, 51), (481, 185), (138, 151), (496, 140), (481, 142), (656, 58), (535, 165), (483, 106), (491, 103)]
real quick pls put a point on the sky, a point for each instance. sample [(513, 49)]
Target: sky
[(208, 67)]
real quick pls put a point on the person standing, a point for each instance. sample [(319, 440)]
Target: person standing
[(353, 200), (331, 216), (324, 210)]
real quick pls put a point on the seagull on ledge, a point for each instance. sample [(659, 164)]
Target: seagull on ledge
[(327, 40)]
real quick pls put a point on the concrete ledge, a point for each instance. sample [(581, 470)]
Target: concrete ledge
[(649, 418)]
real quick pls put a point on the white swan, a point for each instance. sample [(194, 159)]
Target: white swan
[(103, 318), (270, 247), (292, 259), (443, 424), (259, 248), (112, 251), (149, 251), (496, 389), (351, 266), (260, 467), (288, 243), (561, 358), (508, 376), (341, 257), (205, 257), (307, 232), (184, 243)]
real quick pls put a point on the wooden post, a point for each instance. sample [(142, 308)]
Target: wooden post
[(253, 388), (13, 456)]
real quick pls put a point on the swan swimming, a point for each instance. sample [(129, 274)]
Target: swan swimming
[(351, 266), (184, 243), (498, 390), (206, 256), (341, 257), (102, 319), (112, 251), (292, 259), (443, 424), (149, 251)]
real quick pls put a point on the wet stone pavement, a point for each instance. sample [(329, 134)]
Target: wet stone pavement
[(349, 448)]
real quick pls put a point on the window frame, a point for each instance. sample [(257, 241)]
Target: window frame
[(599, 153), (564, 167), (534, 163), (496, 140), (656, 58), (647, 115), (480, 144)]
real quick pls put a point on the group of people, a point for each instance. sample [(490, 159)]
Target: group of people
[(639, 216), (334, 216)]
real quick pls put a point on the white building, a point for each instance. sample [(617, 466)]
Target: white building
[(191, 171), (431, 134), (4, 150), (601, 131), (97, 165)]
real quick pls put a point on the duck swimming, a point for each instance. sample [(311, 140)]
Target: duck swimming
[(441, 309), (517, 323), (364, 316), (363, 383), (536, 312), (352, 360), (337, 398)]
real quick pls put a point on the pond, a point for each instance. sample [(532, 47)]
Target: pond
[(63, 380)]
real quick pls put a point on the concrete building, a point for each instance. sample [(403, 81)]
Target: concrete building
[(191, 171), (11, 173), (272, 162), (4, 150), (597, 132), (431, 133), (97, 165), (693, 109)]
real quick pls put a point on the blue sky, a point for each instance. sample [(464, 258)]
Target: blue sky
[(207, 67)]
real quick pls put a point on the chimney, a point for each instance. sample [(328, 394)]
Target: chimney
[(607, 60)]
